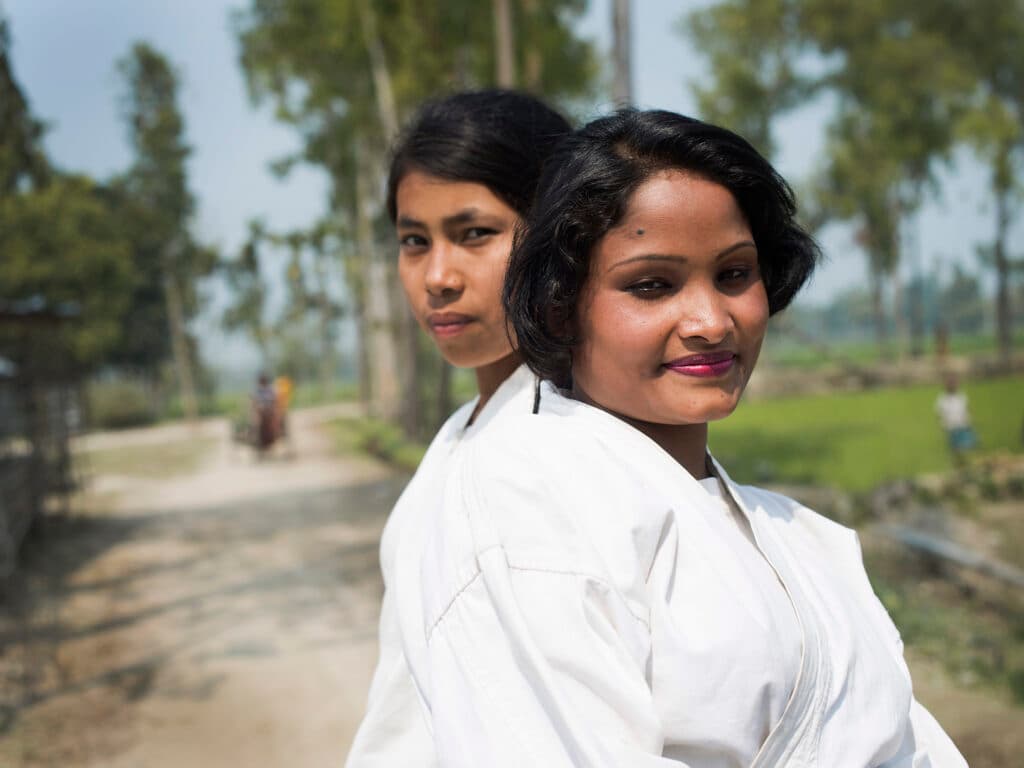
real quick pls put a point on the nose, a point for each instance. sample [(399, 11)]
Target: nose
[(704, 315), (443, 278)]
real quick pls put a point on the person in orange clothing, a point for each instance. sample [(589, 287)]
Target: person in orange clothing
[(282, 399)]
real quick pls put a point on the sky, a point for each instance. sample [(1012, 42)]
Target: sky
[(65, 52)]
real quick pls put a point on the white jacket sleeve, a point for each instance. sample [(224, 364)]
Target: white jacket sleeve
[(537, 660), (532, 667)]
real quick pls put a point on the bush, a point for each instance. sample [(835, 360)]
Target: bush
[(379, 439), (117, 404)]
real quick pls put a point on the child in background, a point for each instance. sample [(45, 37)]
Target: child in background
[(951, 406)]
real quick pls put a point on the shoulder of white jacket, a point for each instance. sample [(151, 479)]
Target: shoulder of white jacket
[(779, 505), (518, 437)]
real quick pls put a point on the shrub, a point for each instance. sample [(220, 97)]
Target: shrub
[(117, 404)]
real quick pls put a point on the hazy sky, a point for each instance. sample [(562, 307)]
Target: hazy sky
[(64, 54)]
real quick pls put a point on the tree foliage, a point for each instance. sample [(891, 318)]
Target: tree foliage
[(753, 49), (59, 236), (22, 162), (156, 196), (62, 243)]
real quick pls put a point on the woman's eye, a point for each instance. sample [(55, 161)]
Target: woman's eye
[(650, 288), (477, 233), (412, 241), (735, 275)]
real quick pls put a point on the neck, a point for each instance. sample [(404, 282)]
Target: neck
[(686, 443), (491, 376)]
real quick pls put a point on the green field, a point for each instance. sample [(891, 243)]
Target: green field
[(857, 440), (787, 352)]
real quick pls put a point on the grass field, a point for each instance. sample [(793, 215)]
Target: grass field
[(857, 440)]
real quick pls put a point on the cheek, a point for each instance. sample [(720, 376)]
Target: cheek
[(753, 313), (619, 334), (490, 273)]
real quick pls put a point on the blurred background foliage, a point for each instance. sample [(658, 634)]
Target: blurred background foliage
[(907, 84)]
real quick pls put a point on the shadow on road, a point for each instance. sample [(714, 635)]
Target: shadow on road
[(143, 605)]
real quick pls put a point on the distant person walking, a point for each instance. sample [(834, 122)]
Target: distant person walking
[(951, 406), (283, 398), (264, 407)]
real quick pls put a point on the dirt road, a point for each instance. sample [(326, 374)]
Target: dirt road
[(220, 615)]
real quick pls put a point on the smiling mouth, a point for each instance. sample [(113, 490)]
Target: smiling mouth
[(709, 365), (448, 324)]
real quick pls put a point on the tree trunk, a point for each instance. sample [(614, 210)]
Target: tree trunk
[(898, 315), (179, 345), (622, 87), (355, 280), (504, 44), (876, 281), (1004, 329), (327, 366), (533, 60), (915, 295), (380, 339), (385, 96), (363, 357), (398, 375)]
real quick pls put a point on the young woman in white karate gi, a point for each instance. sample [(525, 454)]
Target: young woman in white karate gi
[(462, 177), (591, 588)]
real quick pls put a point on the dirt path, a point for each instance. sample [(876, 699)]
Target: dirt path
[(225, 616)]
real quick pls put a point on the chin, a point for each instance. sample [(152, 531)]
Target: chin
[(711, 412), (464, 359)]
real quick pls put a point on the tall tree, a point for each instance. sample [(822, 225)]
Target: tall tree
[(622, 56), (504, 44), (157, 185), (989, 37), (50, 222), (244, 277), (63, 243), (21, 156)]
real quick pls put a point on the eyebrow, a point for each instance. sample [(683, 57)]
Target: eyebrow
[(679, 258), (462, 217)]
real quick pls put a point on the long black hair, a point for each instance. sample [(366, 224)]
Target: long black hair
[(498, 138), (585, 192)]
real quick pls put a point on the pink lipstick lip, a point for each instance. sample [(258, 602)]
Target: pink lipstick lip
[(709, 364), (448, 323)]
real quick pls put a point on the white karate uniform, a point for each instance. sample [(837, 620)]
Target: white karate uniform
[(394, 733), (571, 596)]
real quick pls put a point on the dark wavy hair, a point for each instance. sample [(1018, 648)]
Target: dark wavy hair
[(585, 192), (498, 138)]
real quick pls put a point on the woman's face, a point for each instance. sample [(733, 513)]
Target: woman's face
[(454, 243), (674, 310)]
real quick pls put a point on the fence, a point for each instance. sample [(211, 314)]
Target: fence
[(39, 388)]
